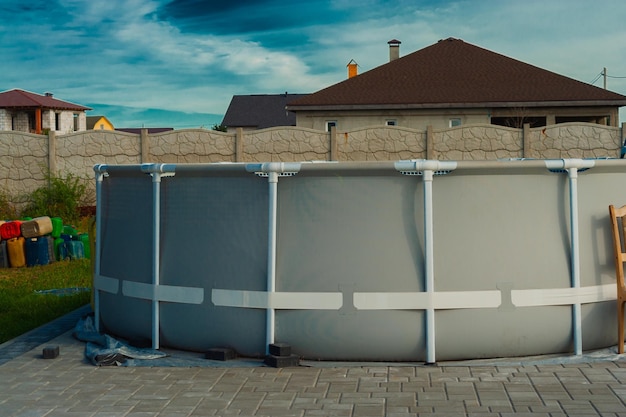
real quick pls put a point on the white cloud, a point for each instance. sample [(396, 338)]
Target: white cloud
[(119, 52)]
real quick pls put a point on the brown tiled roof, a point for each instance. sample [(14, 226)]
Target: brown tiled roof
[(453, 73), (21, 99)]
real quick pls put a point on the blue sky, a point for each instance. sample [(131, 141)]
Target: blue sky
[(159, 63)]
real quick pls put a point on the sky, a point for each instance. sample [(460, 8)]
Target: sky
[(163, 63)]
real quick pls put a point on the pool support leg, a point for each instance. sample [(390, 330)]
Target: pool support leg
[(271, 256)]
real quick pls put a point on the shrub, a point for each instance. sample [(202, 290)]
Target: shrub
[(7, 207), (62, 197)]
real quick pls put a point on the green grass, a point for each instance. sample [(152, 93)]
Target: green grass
[(22, 309)]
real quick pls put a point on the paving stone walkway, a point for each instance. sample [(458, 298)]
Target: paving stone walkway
[(70, 386)]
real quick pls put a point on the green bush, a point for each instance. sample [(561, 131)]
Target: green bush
[(8, 210), (62, 197)]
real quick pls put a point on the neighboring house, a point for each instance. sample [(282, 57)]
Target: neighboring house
[(24, 111), (452, 83), (150, 130), (99, 123), (259, 111)]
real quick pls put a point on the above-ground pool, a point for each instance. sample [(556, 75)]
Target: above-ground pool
[(383, 261)]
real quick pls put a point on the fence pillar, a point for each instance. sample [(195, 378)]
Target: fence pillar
[(430, 143), (526, 145), (333, 144), (52, 151), (145, 146), (239, 145)]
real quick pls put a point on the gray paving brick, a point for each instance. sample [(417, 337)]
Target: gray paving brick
[(68, 386)]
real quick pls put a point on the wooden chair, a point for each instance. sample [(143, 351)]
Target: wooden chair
[(618, 222)]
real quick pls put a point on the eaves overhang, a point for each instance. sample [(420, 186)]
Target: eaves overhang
[(495, 104)]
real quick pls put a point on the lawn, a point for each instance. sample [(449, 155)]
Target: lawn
[(26, 301)]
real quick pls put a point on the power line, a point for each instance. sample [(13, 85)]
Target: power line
[(605, 75), (596, 79)]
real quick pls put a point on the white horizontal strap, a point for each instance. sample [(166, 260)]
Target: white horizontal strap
[(443, 300), (278, 300), (563, 296), (168, 293), (106, 284)]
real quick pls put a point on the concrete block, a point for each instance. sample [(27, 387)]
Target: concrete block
[(220, 354), (282, 361), (50, 352), (280, 349)]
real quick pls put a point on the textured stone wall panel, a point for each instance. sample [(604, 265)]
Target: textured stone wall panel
[(285, 144), (575, 140), (23, 162), (379, 144), (192, 146), (24, 156), (477, 142), (77, 153)]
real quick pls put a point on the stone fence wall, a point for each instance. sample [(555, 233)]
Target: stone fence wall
[(25, 157)]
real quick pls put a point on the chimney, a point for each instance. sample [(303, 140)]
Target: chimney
[(394, 49), (352, 68)]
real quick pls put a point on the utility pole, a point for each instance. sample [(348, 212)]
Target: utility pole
[(604, 74)]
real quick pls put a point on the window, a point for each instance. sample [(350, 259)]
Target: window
[(454, 122), (390, 122), (330, 124), (57, 121)]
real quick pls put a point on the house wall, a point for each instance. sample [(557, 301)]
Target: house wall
[(5, 120), (66, 120), (21, 122), (48, 120), (25, 156), (439, 119), (103, 124), (14, 121), (412, 119)]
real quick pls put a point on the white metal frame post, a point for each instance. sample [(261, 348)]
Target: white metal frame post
[(100, 171), (156, 171), (272, 170), (572, 167), (427, 169)]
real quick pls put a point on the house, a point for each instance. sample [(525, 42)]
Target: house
[(24, 111), (99, 123), (259, 111), (149, 130), (452, 83)]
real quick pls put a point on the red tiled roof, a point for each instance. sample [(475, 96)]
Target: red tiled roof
[(25, 99), (453, 73)]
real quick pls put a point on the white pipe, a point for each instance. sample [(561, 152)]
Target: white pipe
[(575, 257), (100, 173), (156, 171), (430, 264), (271, 255), (156, 236), (273, 171), (428, 169), (572, 166)]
